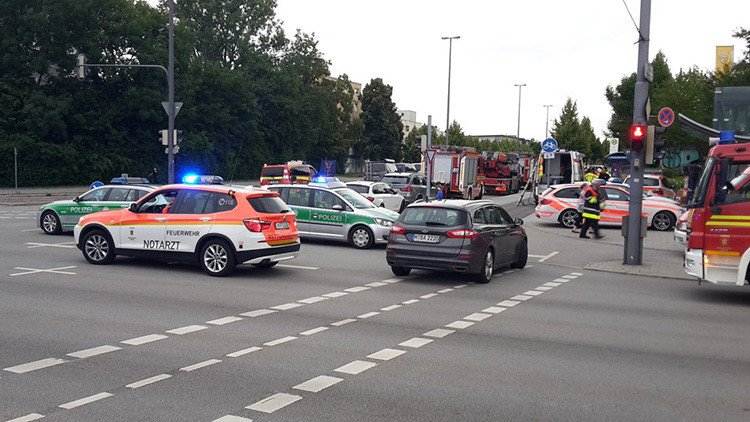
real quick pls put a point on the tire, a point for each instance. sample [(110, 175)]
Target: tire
[(266, 265), (481, 193), (469, 194), (522, 255), (98, 247), (401, 271), (217, 258), (487, 269), (361, 237), (50, 223), (568, 218), (663, 221), (382, 205)]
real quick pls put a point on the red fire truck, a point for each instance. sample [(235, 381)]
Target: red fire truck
[(501, 172), (719, 230), (458, 171)]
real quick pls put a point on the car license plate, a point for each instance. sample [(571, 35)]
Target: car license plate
[(282, 226), (425, 238)]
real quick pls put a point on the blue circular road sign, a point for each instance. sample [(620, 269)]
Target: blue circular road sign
[(549, 145)]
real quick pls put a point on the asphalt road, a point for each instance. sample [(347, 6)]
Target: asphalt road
[(334, 336)]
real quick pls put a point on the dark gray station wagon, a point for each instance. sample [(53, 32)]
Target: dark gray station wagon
[(474, 237)]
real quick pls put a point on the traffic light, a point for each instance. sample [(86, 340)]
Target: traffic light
[(177, 136), (163, 136), (637, 137), (80, 67), (652, 143)]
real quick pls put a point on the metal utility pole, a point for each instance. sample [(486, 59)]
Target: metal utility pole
[(518, 130), (448, 113), (170, 99), (15, 165), (428, 162), (634, 242), (546, 122)]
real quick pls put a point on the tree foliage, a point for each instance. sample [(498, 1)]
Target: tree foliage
[(382, 128), (573, 134)]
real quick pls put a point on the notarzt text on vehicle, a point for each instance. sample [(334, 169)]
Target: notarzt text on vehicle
[(161, 244)]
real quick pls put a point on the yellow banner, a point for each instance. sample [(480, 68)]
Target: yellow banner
[(724, 58)]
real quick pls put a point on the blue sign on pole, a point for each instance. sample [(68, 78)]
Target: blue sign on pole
[(549, 145)]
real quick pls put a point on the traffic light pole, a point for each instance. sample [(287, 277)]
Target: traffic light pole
[(171, 107), (634, 243)]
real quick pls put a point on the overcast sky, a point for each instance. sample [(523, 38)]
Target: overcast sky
[(559, 48)]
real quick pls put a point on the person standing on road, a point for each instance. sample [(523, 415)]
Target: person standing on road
[(579, 208), (591, 209)]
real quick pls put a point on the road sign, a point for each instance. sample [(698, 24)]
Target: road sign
[(549, 155), (648, 72), (549, 145), (614, 145), (666, 117), (430, 154), (177, 107)]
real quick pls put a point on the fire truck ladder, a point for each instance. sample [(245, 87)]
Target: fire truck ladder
[(531, 185)]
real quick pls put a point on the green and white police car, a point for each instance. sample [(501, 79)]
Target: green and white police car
[(328, 209), (55, 217)]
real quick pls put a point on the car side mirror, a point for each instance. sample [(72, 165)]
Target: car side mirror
[(133, 207), (518, 221), (337, 207), (77, 199)]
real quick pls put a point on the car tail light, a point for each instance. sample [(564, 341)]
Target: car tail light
[(370, 198), (544, 201), (407, 189), (398, 230), (462, 234), (658, 192), (256, 226)]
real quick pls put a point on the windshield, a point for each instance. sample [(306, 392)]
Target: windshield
[(699, 196), (272, 172), (395, 180), (433, 216), (354, 198)]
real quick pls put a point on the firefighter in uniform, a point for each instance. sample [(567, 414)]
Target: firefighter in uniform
[(591, 208)]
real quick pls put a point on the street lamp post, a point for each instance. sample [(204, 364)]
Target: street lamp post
[(546, 122), (448, 112), (518, 130), (171, 107)]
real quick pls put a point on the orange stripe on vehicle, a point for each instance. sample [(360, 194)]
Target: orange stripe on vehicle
[(722, 253)]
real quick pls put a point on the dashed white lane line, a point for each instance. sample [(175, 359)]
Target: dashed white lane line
[(561, 280), (318, 384), (313, 331), (357, 289), (25, 230), (144, 339), (258, 312), (415, 342), (186, 330), (355, 367), (544, 288), (274, 403), (335, 294), (532, 293), (200, 365), (280, 341), (449, 289), (459, 324), (386, 354), (428, 295), (551, 284), (494, 309), (376, 284), (33, 366), (390, 308), (232, 418), (85, 400), (438, 333), (313, 299), (410, 301), (148, 381), (460, 286), (343, 321), (81, 354), (225, 320), (28, 418), (368, 315), (299, 267), (287, 306), (549, 256), (508, 303), (578, 274), (477, 316), (570, 277), (521, 297), (393, 280), (244, 352)]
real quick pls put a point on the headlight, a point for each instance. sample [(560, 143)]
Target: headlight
[(383, 222)]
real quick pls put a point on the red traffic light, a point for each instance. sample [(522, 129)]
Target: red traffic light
[(638, 132)]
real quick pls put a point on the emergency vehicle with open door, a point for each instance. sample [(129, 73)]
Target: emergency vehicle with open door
[(459, 172)]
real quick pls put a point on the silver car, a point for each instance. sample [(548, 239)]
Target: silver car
[(379, 193)]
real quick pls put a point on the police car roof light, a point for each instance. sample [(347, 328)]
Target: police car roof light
[(128, 180), (726, 137), (194, 179)]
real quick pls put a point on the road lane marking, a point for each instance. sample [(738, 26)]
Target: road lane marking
[(318, 384), (65, 245), (544, 288), (552, 284), (244, 352), (508, 303), (477, 316), (532, 293), (200, 365), (186, 330), (313, 331), (335, 294), (225, 320), (258, 312), (147, 381), (28, 418), (313, 299), (368, 315), (428, 295), (376, 284), (449, 289), (410, 301), (460, 286), (494, 309), (93, 351), (549, 256), (357, 289), (386, 354), (85, 400), (521, 297), (459, 324), (287, 306), (144, 339), (438, 333), (274, 403), (299, 267), (343, 321), (561, 280), (280, 341), (390, 308), (578, 274), (232, 418), (33, 366), (570, 277), (26, 230), (393, 280), (355, 367), (58, 270), (415, 342)]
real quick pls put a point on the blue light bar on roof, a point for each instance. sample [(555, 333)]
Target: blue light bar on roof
[(194, 179)]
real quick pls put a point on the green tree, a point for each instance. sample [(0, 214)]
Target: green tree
[(382, 129)]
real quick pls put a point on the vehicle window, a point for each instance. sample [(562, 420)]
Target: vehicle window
[(504, 216), (299, 197), (616, 195), (433, 216), (268, 204), (360, 188), (219, 202), (300, 171), (357, 200), (272, 172), (378, 167), (396, 180), (191, 202), (379, 189), (479, 216), (495, 216), (95, 195), (568, 193), (135, 194), (390, 167), (158, 202), (650, 181), (738, 175), (118, 194), (326, 200)]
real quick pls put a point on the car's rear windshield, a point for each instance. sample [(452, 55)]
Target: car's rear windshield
[(650, 181), (395, 180), (268, 204), (272, 172), (359, 188), (433, 216)]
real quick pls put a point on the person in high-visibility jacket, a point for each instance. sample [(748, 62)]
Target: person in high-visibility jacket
[(592, 206), (590, 175)]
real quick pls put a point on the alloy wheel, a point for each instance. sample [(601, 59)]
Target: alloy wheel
[(97, 247), (215, 258), (662, 221), (488, 265), (49, 223), (568, 218)]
